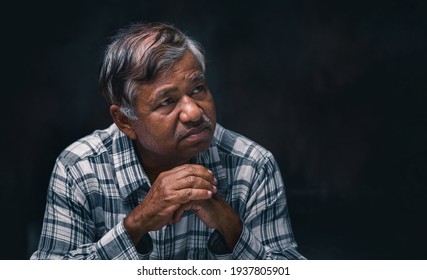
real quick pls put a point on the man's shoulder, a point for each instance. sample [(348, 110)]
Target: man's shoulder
[(235, 144), (90, 146)]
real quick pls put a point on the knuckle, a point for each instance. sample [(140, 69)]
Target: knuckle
[(190, 168), (160, 180), (191, 179), (188, 194)]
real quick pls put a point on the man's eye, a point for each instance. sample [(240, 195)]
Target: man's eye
[(166, 102), (198, 89)]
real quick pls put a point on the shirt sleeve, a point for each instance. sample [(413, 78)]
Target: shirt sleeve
[(267, 232), (68, 232)]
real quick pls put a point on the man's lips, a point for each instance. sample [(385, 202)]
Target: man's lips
[(195, 131)]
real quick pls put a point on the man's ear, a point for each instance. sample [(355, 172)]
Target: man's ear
[(122, 122)]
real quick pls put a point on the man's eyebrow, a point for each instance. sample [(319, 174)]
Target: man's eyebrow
[(198, 77), (160, 95)]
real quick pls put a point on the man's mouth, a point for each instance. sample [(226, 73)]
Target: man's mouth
[(196, 133)]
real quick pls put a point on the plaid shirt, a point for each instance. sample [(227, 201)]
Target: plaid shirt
[(98, 180)]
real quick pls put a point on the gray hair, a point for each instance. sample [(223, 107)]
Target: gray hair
[(137, 55)]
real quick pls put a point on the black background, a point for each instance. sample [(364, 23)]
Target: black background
[(335, 89)]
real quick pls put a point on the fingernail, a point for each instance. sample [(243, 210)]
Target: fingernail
[(209, 193), (210, 171), (215, 181), (214, 189)]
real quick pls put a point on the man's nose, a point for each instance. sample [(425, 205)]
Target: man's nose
[(190, 111)]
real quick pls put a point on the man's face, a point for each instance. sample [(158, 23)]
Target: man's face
[(176, 114)]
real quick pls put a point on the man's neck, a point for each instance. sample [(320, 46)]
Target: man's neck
[(154, 166)]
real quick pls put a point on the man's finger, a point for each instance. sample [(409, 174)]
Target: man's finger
[(194, 170), (194, 182), (189, 194), (180, 211)]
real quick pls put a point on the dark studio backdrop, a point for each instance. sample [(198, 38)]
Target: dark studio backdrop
[(335, 89)]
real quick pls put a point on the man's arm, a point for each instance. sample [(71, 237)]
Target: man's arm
[(68, 231), (262, 232), (267, 232), (218, 214)]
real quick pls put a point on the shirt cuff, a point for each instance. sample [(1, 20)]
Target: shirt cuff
[(246, 248), (117, 245), (217, 248), (145, 246)]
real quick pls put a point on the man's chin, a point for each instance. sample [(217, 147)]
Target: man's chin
[(192, 148)]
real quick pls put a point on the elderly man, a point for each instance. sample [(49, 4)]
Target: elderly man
[(164, 181)]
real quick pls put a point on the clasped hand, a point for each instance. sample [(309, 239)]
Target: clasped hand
[(186, 187)]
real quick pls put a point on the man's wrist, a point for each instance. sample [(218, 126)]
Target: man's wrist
[(135, 232), (231, 231)]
